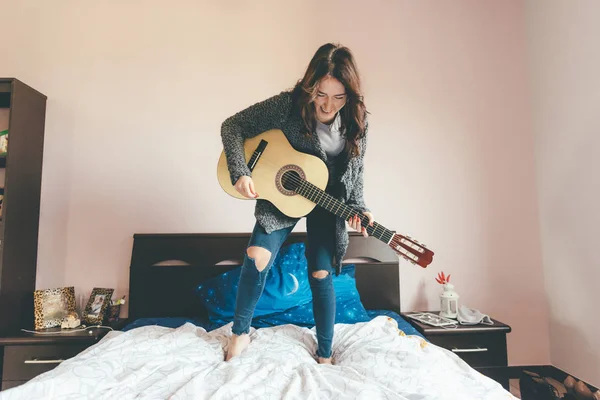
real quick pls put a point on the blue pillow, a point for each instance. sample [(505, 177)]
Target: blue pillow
[(349, 309), (286, 287)]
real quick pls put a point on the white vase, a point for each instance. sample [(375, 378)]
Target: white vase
[(449, 302)]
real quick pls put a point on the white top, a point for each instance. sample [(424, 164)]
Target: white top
[(330, 137)]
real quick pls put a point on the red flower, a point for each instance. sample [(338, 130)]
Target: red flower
[(442, 279)]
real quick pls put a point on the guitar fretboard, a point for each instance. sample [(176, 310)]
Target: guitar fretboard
[(331, 204)]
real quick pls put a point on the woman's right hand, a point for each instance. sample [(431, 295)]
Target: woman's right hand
[(245, 186)]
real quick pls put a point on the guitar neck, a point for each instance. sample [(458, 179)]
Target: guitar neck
[(331, 204)]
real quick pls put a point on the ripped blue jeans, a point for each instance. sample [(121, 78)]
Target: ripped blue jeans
[(320, 246)]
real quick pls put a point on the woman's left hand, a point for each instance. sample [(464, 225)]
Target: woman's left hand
[(354, 223)]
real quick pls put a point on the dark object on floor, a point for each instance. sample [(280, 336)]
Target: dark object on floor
[(535, 387)]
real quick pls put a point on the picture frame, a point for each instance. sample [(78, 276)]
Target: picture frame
[(95, 311), (51, 306)]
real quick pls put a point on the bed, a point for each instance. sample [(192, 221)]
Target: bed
[(174, 342)]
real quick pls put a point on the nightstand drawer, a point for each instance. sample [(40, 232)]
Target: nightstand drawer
[(26, 362), (478, 350)]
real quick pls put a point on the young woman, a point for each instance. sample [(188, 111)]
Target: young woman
[(324, 115)]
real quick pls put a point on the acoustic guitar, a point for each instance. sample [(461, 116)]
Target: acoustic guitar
[(294, 182)]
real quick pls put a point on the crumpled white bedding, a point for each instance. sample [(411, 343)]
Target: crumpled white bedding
[(373, 360)]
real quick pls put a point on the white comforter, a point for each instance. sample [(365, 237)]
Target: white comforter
[(373, 360)]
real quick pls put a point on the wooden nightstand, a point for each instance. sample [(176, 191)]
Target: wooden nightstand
[(26, 355), (482, 346)]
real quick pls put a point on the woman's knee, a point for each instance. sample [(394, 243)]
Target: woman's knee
[(322, 274), (260, 255)]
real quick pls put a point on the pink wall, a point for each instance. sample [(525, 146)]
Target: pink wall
[(565, 60), (137, 95)]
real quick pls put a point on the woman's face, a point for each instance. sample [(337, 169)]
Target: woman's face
[(331, 97)]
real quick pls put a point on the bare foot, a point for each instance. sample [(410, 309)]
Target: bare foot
[(237, 344), (322, 360)]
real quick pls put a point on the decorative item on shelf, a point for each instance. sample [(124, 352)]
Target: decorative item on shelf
[(448, 298), (51, 306), (3, 142), (97, 305), (70, 321), (114, 311)]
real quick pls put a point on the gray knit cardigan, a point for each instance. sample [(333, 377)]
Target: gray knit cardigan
[(278, 112)]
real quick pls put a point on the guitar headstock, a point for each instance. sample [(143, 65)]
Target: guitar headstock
[(411, 250)]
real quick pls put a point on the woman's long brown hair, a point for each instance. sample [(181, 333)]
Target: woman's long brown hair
[(338, 62)]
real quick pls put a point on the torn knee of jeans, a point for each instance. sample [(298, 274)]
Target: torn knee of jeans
[(260, 256), (322, 274)]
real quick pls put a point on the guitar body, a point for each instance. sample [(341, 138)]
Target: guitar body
[(295, 183), (278, 156)]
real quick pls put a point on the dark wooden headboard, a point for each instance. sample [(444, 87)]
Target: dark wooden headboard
[(167, 268)]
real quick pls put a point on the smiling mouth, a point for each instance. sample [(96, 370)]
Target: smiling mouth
[(326, 112)]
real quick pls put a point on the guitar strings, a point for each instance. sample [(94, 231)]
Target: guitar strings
[(391, 237), (296, 179)]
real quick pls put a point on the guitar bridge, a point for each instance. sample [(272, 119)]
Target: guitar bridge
[(257, 153)]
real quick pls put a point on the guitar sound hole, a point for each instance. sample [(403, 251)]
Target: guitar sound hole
[(290, 180)]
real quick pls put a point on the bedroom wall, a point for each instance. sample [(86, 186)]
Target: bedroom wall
[(138, 90), (565, 60)]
